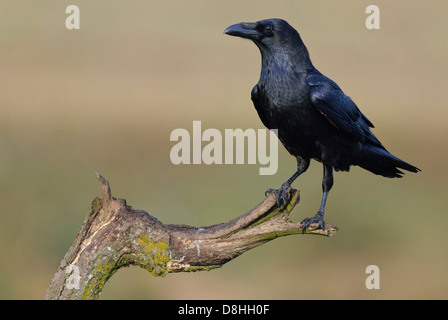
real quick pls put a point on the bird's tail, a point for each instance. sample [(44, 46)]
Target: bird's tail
[(379, 161)]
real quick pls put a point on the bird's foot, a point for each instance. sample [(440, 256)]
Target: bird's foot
[(282, 193), (318, 218), (269, 191)]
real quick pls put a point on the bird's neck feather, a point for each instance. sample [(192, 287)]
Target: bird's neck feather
[(284, 63)]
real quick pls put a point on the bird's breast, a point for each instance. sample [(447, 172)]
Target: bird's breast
[(285, 88), (291, 113)]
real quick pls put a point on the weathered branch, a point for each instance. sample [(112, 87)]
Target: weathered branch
[(114, 235)]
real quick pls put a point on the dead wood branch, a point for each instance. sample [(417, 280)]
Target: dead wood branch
[(114, 235)]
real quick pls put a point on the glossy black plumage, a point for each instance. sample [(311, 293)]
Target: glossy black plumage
[(314, 117)]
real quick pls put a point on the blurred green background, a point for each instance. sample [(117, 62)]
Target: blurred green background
[(106, 97)]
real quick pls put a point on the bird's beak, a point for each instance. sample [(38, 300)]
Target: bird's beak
[(243, 30)]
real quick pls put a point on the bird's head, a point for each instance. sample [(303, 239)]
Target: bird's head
[(267, 34), (275, 38)]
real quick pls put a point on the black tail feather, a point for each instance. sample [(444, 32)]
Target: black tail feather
[(381, 162)]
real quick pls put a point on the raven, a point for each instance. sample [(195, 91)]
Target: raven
[(313, 116)]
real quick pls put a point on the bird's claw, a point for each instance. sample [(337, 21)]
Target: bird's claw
[(282, 193), (269, 191), (318, 218)]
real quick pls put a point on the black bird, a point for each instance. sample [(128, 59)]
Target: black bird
[(314, 118)]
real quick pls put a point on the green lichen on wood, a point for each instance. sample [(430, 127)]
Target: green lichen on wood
[(150, 255), (95, 206), (153, 255), (202, 268), (102, 271), (295, 199)]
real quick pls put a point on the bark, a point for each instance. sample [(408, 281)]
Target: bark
[(114, 235)]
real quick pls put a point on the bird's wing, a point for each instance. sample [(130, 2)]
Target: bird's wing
[(339, 109)]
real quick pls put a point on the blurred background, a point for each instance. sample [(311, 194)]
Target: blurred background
[(106, 97)]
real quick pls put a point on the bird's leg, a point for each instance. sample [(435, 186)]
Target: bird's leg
[(327, 183), (282, 195)]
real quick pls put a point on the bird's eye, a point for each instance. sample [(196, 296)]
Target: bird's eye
[(268, 28)]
